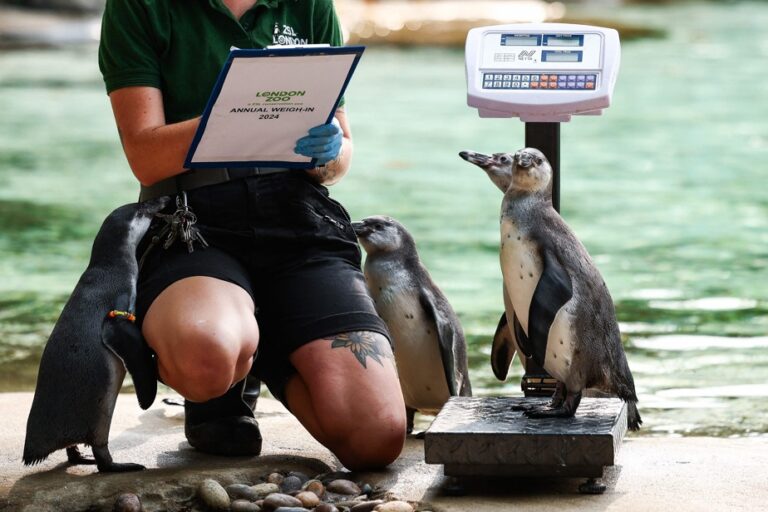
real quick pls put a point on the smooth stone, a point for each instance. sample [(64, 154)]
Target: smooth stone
[(275, 478), (213, 494), (290, 509), (308, 499), (325, 507), (290, 484), (244, 506), (264, 490), (366, 506), (315, 486), (278, 500), (394, 506), (301, 476), (243, 492), (326, 478), (127, 503), (342, 486), (366, 489)]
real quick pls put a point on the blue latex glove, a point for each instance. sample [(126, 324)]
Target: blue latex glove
[(322, 143)]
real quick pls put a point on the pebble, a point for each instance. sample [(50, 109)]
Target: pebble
[(325, 507), (342, 486), (291, 509), (366, 506), (366, 489), (394, 506), (315, 486), (244, 506), (264, 490), (127, 503), (298, 474), (308, 499), (291, 484), (278, 500), (275, 478), (244, 492), (213, 494)]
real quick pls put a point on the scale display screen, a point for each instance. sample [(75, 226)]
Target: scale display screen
[(555, 56), (563, 40), (520, 40)]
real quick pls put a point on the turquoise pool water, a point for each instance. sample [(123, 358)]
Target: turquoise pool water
[(667, 191)]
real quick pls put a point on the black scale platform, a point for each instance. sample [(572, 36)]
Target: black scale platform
[(483, 436)]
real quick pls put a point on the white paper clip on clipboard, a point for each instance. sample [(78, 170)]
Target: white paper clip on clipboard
[(265, 100)]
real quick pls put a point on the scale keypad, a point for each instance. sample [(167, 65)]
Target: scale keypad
[(548, 81)]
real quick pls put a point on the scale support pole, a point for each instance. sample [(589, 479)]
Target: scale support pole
[(546, 138)]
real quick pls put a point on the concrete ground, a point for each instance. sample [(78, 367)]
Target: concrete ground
[(654, 473)]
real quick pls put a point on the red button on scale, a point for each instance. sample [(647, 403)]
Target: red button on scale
[(590, 85), (534, 85), (553, 85)]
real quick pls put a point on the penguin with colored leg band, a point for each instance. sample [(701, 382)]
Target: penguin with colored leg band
[(92, 344)]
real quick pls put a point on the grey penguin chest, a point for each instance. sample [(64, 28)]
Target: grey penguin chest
[(414, 336)]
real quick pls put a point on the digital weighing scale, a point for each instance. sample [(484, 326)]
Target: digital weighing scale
[(542, 73)]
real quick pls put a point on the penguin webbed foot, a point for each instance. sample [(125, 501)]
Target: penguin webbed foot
[(105, 464), (566, 409), (115, 467)]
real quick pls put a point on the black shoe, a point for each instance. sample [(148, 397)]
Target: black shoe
[(225, 425)]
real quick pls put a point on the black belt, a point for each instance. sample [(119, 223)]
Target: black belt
[(196, 178)]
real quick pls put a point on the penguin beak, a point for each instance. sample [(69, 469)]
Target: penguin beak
[(478, 159), (360, 229)]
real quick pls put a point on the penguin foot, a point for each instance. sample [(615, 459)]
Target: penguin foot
[(114, 467), (106, 465), (523, 408), (549, 412), (75, 457), (566, 410)]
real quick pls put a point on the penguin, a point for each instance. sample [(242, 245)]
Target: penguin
[(558, 306), (92, 344), (428, 341)]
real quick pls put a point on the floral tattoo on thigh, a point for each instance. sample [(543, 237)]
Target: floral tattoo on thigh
[(363, 344)]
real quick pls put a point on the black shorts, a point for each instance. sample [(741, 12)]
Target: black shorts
[(283, 240)]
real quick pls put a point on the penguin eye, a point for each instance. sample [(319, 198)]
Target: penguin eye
[(377, 227), (539, 160), (505, 159)]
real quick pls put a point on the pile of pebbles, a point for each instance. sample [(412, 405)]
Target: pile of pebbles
[(291, 492)]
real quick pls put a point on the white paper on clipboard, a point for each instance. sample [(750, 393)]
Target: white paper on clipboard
[(266, 100)]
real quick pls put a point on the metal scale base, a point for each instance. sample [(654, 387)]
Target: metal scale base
[(483, 436)]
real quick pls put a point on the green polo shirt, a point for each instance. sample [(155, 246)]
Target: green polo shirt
[(179, 46)]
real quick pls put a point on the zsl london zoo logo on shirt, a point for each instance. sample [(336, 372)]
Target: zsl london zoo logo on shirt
[(288, 35)]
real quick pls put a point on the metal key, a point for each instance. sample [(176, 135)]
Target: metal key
[(181, 225)]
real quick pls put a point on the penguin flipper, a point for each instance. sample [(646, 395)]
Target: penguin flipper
[(552, 292), (447, 337), (124, 339), (503, 349)]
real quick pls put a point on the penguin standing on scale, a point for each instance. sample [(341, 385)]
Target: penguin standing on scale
[(429, 346), (557, 304)]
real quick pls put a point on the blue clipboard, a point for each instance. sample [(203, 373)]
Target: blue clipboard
[(356, 51)]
